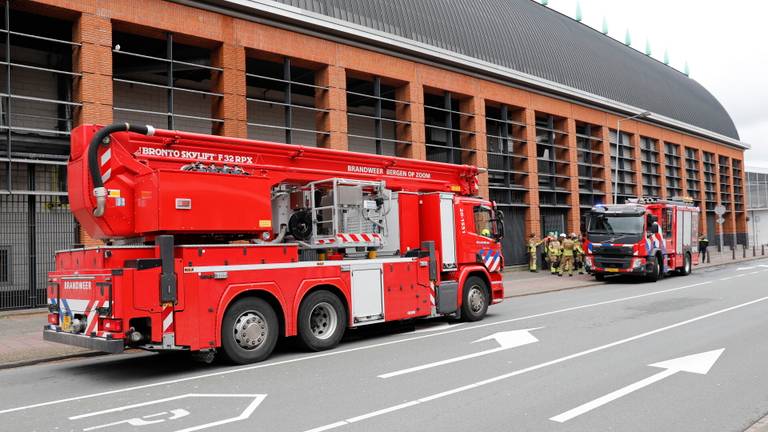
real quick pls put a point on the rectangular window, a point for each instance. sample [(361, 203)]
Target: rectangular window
[(281, 96), (589, 148), (673, 170), (622, 166), (372, 116), (446, 133), (507, 152), (553, 161), (159, 81), (649, 157)]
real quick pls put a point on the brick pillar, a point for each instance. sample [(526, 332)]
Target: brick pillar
[(411, 111), (476, 141), (93, 89), (230, 82), (533, 214), (637, 165), (574, 219), (718, 227), (333, 99), (93, 59), (605, 135)]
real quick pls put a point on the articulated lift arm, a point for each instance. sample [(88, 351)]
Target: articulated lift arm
[(128, 181)]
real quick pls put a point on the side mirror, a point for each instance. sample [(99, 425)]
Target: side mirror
[(499, 225)]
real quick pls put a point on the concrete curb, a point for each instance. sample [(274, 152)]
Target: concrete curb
[(49, 359)]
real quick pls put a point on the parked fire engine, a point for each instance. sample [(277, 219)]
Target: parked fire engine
[(647, 237), (216, 243)]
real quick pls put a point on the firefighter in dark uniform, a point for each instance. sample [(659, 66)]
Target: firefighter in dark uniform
[(703, 243)]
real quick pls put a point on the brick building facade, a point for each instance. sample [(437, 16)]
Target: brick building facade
[(549, 156)]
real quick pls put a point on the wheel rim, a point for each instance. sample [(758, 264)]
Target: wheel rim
[(323, 320), (476, 299), (250, 330)]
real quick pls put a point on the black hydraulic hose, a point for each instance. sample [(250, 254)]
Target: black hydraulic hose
[(99, 138)]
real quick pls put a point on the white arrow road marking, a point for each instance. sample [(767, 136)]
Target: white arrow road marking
[(176, 413), (696, 363), (502, 377), (506, 340)]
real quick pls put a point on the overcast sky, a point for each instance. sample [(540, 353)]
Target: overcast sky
[(724, 43)]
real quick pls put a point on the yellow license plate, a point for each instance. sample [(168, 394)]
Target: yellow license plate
[(612, 270), (66, 323)]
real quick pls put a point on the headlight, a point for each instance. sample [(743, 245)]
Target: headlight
[(638, 262)]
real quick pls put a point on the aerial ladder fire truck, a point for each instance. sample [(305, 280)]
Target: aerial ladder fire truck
[(647, 237), (221, 244)]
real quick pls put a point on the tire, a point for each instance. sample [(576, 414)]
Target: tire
[(687, 265), (475, 299), (322, 321), (599, 277), (249, 331), (656, 273)]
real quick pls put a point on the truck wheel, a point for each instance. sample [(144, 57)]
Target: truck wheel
[(475, 302), (656, 271), (686, 270), (599, 277), (322, 321), (249, 331)]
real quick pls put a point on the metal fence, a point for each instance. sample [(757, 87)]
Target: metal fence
[(32, 228)]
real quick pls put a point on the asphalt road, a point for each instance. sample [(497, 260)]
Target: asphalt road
[(576, 360)]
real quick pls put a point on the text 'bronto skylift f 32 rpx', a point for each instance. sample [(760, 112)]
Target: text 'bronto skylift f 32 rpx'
[(222, 244), (647, 236)]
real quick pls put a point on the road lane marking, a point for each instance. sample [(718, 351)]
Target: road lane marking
[(699, 363), (343, 351), (508, 375), (506, 340), (257, 399)]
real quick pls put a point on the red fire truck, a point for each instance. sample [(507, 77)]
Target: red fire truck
[(214, 243), (647, 237)]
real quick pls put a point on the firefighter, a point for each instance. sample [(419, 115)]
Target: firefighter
[(545, 250), (553, 254), (578, 255), (703, 244), (568, 251), (533, 244)]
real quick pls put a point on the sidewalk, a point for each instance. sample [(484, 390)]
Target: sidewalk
[(21, 341)]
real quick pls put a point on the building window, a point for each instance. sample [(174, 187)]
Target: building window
[(724, 165), (281, 95), (372, 116), (622, 167), (445, 126), (553, 161), (36, 106), (673, 170), (589, 145), (649, 160), (160, 81), (710, 191), (507, 154), (738, 191), (692, 174)]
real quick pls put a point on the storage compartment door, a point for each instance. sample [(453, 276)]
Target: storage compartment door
[(448, 232), (367, 295)]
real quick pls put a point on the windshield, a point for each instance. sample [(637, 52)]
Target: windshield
[(615, 228)]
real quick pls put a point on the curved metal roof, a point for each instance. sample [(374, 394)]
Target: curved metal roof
[(525, 36)]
